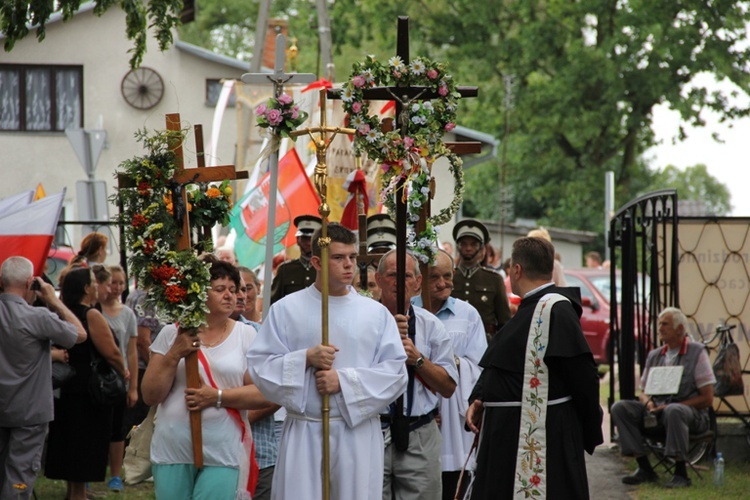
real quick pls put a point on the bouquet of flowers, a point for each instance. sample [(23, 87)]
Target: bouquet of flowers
[(280, 114)]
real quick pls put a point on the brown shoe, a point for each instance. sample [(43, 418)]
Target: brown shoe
[(641, 476)]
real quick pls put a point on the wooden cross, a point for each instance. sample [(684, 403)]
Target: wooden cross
[(404, 94), (278, 79), (185, 176)]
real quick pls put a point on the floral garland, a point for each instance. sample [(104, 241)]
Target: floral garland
[(176, 281), (405, 152), (280, 114)]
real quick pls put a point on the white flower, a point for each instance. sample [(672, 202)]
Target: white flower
[(417, 66), (395, 61), (372, 136), (427, 105), (415, 107), (348, 94), (369, 77), (356, 122), (425, 190)]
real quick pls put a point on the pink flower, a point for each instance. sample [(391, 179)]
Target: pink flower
[(443, 90), (295, 112), (260, 110), (364, 129), (285, 99), (432, 74), (356, 107), (534, 382), (397, 74), (535, 480), (449, 126), (358, 81), (408, 142), (274, 117)]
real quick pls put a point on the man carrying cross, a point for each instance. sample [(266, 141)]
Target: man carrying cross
[(537, 399), (412, 452), (362, 371)]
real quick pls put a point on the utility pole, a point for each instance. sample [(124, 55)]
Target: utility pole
[(261, 25), (325, 41)]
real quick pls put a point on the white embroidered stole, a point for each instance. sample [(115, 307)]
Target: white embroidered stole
[(531, 460)]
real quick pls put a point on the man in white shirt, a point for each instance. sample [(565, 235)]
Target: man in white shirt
[(466, 330), (362, 370), (412, 437)]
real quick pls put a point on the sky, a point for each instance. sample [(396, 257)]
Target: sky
[(728, 162)]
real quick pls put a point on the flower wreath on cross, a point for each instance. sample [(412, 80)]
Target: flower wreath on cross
[(408, 156), (176, 281)]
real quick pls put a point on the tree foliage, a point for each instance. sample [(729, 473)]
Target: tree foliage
[(695, 184), (160, 15), (575, 82)]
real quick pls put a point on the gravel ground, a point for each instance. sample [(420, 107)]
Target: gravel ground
[(605, 469)]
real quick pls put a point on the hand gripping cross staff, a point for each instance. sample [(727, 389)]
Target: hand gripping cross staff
[(320, 179)]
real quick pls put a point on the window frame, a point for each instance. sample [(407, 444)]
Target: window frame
[(52, 70)]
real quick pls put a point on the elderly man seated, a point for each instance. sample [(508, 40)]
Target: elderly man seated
[(680, 414)]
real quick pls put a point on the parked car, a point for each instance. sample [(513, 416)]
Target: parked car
[(57, 259)]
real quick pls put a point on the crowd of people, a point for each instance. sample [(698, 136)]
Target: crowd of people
[(417, 391)]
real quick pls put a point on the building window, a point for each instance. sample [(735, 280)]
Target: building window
[(213, 90), (35, 98)]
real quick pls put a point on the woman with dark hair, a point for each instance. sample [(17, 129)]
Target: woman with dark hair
[(226, 388), (79, 436), (93, 250)]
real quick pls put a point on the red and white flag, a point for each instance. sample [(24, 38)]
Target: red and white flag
[(28, 230)]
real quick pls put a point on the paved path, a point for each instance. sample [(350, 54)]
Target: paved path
[(605, 469)]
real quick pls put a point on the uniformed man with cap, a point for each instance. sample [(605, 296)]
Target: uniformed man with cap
[(381, 234), (482, 288), (296, 274)]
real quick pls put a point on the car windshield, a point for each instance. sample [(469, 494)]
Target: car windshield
[(602, 283)]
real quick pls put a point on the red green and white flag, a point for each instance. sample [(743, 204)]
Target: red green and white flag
[(249, 218)]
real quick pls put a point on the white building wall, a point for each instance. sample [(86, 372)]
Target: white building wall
[(100, 46)]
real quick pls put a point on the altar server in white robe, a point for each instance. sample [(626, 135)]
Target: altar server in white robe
[(464, 326), (363, 370)]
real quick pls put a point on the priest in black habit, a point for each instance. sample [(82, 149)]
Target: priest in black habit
[(537, 369)]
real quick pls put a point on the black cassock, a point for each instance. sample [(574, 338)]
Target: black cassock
[(572, 427)]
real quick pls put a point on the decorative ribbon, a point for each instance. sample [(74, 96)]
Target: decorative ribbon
[(531, 460), (253, 471), (355, 183), (318, 84), (269, 147)]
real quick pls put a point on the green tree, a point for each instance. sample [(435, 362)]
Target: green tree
[(696, 184), (160, 15)]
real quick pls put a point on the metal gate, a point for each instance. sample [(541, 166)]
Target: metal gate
[(643, 240)]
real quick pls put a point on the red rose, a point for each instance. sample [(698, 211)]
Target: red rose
[(144, 188), (535, 480), (534, 382)]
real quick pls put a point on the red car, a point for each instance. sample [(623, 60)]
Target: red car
[(595, 292)]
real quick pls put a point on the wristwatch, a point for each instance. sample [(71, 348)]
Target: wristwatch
[(419, 363)]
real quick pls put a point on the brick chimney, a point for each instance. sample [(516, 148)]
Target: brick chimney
[(275, 26)]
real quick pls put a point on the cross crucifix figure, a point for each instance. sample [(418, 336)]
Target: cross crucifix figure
[(182, 177), (320, 178), (403, 96), (278, 79)]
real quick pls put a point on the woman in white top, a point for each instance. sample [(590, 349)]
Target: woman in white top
[(226, 387)]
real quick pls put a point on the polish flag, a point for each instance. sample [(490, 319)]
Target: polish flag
[(28, 230)]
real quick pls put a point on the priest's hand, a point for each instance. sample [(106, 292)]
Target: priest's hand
[(321, 356), (402, 321), (327, 381), (474, 416)]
